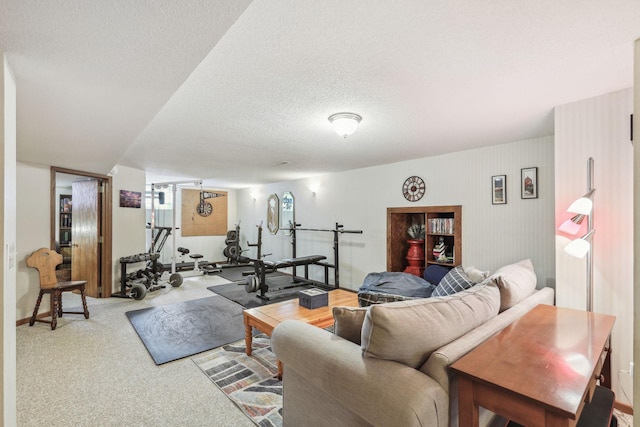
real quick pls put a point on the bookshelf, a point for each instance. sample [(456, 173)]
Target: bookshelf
[(440, 222), (64, 229)]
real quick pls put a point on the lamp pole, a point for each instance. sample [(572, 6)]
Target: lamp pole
[(589, 230)]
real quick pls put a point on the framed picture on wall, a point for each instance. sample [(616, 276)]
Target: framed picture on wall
[(130, 199), (529, 189), (499, 189)]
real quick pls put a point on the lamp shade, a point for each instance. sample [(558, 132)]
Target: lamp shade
[(572, 225), (344, 123), (583, 205), (578, 248)]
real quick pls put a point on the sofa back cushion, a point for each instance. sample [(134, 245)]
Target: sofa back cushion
[(516, 282), (409, 331)]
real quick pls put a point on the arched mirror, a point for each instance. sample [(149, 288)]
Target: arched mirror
[(287, 211), (273, 213)]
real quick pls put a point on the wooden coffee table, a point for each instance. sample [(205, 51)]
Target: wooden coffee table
[(267, 317)]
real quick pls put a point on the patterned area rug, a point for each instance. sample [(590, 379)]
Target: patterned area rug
[(251, 382)]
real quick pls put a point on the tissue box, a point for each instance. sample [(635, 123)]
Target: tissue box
[(313, 298)]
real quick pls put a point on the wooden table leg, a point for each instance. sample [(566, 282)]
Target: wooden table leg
[(467, 409), (248, 336)]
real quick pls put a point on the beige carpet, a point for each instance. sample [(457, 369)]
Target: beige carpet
[(97, 372)]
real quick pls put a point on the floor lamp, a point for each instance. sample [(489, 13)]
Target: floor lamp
[(581, 248)]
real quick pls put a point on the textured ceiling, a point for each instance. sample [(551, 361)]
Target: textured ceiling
[(221, 91)]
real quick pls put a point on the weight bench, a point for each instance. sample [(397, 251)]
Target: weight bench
[(295, 262), (257, 281)]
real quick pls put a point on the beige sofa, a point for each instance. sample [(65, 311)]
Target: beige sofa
[(387, 365)]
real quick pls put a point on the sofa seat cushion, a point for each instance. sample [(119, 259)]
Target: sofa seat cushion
[(409, 331), (516, 282)]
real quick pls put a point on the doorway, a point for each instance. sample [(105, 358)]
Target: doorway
[(81, 204)]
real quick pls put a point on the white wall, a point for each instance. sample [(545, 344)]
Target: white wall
[(32, 228), (599, 128), (492, 235), (8, 239), (128, 225)]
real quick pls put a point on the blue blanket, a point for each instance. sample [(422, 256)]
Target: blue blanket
[(395, 283)]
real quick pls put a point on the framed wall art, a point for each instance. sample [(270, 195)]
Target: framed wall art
[(529, 185), (130, 199), (499, 189)]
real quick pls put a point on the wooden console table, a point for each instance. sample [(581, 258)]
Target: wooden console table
[(539, 371)]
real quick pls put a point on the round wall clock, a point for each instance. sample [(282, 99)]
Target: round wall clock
[(413, 188)]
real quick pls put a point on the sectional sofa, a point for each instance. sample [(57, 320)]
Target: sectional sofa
[(388, 364)]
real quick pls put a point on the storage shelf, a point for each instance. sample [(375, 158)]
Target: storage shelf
[(400, 218), (64, 229)]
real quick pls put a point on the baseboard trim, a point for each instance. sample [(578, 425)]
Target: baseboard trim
[(26, 320)]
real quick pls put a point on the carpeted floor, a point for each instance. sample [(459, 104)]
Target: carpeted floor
[(174, 331), (249, 381), (96, 371)]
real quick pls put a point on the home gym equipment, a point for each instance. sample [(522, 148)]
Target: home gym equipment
[(204, 208), (258, 280), (339, 229), (233, 251), (144, 280), (259, 243)]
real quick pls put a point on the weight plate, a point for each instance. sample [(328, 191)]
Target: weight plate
[(234, 251), (138, 291), (251, 284), (232, 236), (175, 280), (225, 252)]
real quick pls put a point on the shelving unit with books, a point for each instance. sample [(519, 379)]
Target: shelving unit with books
[(64, 229), (444, 226), (441, 222)]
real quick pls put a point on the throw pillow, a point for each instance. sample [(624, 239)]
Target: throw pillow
[(475, 275), (455, 281), (434, 273), (348, 322), (516, 282), (409, 331)]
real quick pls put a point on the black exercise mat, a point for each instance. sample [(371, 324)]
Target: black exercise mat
[(183, 329), (238, 294), (234, 274)]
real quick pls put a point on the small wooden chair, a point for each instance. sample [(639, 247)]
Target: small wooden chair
[(45, 261)]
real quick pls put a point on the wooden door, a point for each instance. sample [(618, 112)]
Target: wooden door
[(85, 234)]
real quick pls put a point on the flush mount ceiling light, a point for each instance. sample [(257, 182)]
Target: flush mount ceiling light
[(344, 123)]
